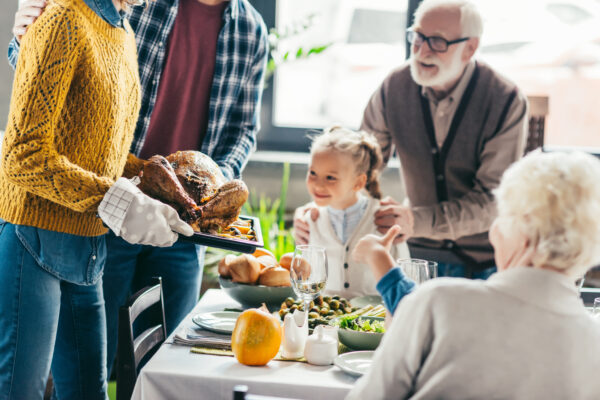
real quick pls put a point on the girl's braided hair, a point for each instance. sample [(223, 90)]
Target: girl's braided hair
[(361, 146)]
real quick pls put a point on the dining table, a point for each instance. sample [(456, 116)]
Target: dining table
[(175, 372)]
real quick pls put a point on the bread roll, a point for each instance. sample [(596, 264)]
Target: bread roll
[(244, 269), (260, 251), (266, 262), (223, 267), (274, 276), (286, 260)]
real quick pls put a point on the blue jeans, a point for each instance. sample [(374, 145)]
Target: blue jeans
[(51, 314), (459, 271), (131, 267)]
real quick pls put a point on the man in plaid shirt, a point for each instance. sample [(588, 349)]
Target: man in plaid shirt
[(201, 65)]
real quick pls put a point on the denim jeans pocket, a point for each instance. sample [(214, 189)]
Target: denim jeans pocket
[(75, 259)]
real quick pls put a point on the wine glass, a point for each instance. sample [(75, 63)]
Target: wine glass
[(418, 270), (308, 273)]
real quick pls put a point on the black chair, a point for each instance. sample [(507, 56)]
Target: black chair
[(240, 392), (131, 350)]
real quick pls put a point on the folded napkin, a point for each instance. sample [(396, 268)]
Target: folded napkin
[(191, 336), (229, 353)]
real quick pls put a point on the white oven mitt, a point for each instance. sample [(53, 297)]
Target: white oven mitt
[(138, 218)]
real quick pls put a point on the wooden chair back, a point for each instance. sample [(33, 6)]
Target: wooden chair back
[(538, 110), (131, 350)]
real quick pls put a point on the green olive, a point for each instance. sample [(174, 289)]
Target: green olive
[(293, 308), (336, 297), (324, 311), (326, 299), (282, 313), (319, 300), (313, 315), (330, 312), (284, 306), (339, 312), (315, 309), (347, 310), (335, 304), (289, 301)]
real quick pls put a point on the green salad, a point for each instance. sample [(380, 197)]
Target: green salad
[(357, 323)]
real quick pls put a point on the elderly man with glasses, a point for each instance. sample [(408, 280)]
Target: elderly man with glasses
[(456, 125)]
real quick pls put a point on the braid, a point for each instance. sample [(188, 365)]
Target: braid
[(375, 161)]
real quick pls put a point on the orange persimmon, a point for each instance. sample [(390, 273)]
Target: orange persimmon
[(256, 337)]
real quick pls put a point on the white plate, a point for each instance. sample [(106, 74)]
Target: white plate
[(218, 321), (363, 301), (355, 363)]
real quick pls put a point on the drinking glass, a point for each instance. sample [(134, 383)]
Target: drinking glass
[(418, 270), (308, 272)]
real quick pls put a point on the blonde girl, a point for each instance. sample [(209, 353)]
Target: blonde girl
[(343, 181)]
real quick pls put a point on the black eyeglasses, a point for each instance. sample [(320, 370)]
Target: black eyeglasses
[(436, 43)]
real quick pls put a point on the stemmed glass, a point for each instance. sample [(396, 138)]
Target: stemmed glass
[(418, 270), (308, 273)]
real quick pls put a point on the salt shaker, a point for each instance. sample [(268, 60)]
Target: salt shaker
[(295, 333), (321, 348)]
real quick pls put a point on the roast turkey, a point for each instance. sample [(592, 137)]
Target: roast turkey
[(192, 183)]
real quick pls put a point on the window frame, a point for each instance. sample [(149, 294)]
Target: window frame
[(282, 138)]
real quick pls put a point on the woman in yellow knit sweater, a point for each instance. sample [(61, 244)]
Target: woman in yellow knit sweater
[(73, 111)]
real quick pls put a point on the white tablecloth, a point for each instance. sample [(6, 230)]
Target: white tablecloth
[(176, 373)]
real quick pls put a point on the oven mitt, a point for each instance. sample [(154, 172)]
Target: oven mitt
[(138, 218)]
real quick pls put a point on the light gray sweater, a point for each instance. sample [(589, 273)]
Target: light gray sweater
[(522, 334)]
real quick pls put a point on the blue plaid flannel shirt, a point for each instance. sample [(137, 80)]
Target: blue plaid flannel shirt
[(236, 92)]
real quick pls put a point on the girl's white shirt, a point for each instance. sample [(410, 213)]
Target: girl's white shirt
[(342, 269)]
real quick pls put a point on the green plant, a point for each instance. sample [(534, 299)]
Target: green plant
[(277, 38)]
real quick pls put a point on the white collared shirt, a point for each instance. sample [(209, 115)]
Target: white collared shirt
[(443, 110), (345, 221)]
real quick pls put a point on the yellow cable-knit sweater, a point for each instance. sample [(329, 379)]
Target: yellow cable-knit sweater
[(75, 102)]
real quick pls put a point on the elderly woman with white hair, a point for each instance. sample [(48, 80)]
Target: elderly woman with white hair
[(522, 334)]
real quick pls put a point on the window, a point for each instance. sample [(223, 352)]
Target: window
[(367, 41), (557, 56), (548, 47)]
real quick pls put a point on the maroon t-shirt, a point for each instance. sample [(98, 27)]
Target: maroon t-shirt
[(180, 115)]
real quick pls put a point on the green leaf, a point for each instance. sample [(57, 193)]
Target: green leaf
[(271, 65), (318, 49)]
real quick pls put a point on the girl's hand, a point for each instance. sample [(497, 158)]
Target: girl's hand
[(301, 228), (28, 12), (374, 251)]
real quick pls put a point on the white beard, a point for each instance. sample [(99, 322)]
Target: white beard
[(444, 75)]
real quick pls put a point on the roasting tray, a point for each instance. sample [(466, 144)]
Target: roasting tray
[(241, 245)]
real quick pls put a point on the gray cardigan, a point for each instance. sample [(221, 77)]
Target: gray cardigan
[(522, 334), (450, 187)]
